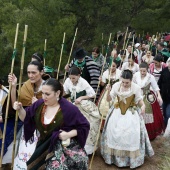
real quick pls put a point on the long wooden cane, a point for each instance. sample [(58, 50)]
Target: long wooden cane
[(61, 53), (130, 66), (70, 52), (19, 92), (103, 65), (124, 49), (45, 50), (128, 40), (8, 99), (98, 134), (125, 38), (152, 40), (102, 43)]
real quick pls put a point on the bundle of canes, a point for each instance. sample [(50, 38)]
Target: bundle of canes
[(98, 134), (19, 92), (70, 52), (61, 54), (8, 99), (45, 50)]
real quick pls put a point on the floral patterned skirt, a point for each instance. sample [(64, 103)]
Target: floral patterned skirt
[(72, 157), (91, 113)]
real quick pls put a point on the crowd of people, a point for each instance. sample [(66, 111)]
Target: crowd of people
[(59, 120)]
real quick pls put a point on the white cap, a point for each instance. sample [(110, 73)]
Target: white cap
[(137, 45)]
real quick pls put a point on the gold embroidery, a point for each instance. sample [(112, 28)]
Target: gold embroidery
[(129, 103)]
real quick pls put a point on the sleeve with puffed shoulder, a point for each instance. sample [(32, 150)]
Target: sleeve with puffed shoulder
[(138, 93)]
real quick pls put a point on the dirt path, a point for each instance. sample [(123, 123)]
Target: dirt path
[(149, 164)]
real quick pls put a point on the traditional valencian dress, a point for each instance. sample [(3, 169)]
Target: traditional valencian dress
[(26, 150), (124, 140), (134, 68), (87, 108), (90, 71), (50, 154), (153, 115), (103, 105)]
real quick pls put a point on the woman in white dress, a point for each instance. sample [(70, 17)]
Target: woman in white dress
[(157, 66), (80, 92), (130, 65), (114, 75), (124, 141), (148, 58), (153, 116)]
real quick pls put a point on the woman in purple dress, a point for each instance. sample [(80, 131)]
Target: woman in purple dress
[(63, 130)]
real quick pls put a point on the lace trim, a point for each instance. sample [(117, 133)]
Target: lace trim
[(148, 118), (123, 153)]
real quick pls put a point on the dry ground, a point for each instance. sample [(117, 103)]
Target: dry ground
[(159, 161)]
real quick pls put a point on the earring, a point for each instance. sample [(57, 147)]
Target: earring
[(57, 98)]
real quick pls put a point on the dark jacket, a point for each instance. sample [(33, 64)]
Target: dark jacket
[(164, 85)]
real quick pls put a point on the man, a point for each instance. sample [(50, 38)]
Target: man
[(143, 48), (165, 53), (164, 85), (138, 53), (90, 71)]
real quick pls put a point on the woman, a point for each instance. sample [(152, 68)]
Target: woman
[(30, 93), (37, 57), (131, 65), (148, 58), (114, 56), (49, 71), (98, 58), (153, 116), (124, 141), (81, 93), (125, 54), (114, 75), (157, 66), (58, 121)]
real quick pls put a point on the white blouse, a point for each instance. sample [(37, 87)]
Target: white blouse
[(134, 69), (134, 89), (115, 77), (80, 86), (144, 82)]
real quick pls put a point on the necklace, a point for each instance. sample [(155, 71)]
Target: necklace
[(43, 113)]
